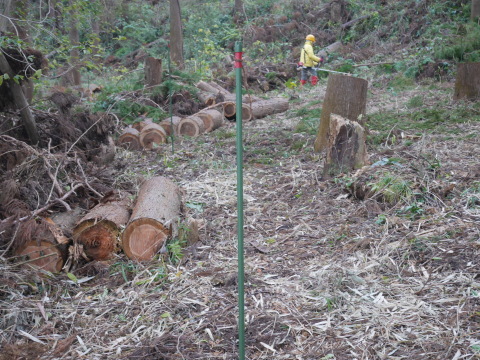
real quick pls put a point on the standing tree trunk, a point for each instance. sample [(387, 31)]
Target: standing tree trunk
[(346, 96), (20, 101), (467, 83), (74, 53), (154, 218), (176, 35), (153, 71), (475, 10), (5, 11)]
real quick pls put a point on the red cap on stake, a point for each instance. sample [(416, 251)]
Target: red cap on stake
[(238, 60)]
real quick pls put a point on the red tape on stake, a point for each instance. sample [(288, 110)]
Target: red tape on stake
[(238, 60)]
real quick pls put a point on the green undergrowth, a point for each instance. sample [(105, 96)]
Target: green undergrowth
[(427, 119)]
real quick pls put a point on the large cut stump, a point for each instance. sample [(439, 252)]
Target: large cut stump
[(230, 111), (46, 246), (346, 96), (207, 98), (212, 119), (152, 135), (467, 82), (153, 71), (99, 231), (263, 108), (167, 125), (346, 149), (154, 219), (191, 126), (129, 139)]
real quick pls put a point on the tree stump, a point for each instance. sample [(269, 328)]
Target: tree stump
[(152, 135), (99, 231), (346, 149), (191, 126), (262, 108), (467, 82), (346, 96), (167, 125), (212, 119), (153, 71), (154, 218), (129, 139)]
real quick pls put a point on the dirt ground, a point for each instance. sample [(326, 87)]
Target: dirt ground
[(331, 272)]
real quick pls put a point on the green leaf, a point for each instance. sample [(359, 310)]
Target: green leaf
[(72, 277), (1, 80), (165, 315)]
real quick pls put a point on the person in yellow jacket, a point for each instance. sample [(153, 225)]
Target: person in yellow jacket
[(308, 60)]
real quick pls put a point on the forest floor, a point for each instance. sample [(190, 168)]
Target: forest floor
[(331, 272)]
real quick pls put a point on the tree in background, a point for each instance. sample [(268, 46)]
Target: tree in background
[(475, 11), (176, 36)]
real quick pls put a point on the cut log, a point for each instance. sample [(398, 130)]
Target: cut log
[(212, 119), (229, 109), (467, 82), (129, 139), (167, 125), (191, 126), (152, 135), (219, 89), (346, 148), (207, 98), (345, 96), (264, 108), (153, 71), (154, 219), (202, 85), (141, 123), (246, 99), (99, 231), (329, 49), (46, 248)]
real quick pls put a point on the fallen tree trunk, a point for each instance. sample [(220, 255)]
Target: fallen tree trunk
[(99, 231), (154, 219), (263, 108), (345, 96), (129, 139), (45, 248), (152, 135), (212, 119), (219, 89), (191, 126), (202, 85), (167, 125), (330, 48), (346, 148)]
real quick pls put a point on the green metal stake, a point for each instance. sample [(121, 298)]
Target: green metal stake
[(241, 264), (170, 104)]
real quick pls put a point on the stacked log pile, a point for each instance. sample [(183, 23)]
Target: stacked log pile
[(109, 228)]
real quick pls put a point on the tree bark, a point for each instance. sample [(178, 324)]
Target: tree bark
[(467, 82), (139, 125), (176, 34), (74, 52), (475, 10), (167, 125), (20, 101), (346, 96), (264, 108), (346, 149), (99, 231), (212, 119), (154, 219), (5, 10), (153, 71), (191, 126), (130, 139), (152, 135)]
